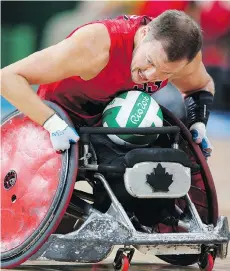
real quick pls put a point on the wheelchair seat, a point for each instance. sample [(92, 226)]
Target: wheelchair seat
[(156, 155)]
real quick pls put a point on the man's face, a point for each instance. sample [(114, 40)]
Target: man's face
[(149, 63)]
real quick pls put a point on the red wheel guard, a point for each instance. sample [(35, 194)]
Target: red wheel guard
[(36, 187)]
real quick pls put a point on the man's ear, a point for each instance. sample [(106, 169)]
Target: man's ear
[(145, 30)]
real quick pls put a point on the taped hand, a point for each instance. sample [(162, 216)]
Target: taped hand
[(61, 135), (198, 131)]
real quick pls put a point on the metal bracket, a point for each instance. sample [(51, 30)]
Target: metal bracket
[(116, 210)]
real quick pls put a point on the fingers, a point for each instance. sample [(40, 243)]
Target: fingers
[(60, 146), (198, 132), (73, 135), (61, 135), (196, 136), (204, 143), (206, 147), (61, 139)]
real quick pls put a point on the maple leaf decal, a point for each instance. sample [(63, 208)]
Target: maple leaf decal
[(159, 179)]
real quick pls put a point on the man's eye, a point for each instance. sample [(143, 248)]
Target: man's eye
[(149, 61)]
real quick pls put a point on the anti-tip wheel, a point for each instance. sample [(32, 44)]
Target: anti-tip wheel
[(125, 263), (207, 263)]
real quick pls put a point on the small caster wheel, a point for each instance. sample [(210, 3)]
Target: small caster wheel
[(123, 259), (125, 263), (207, 263), (122, 264)]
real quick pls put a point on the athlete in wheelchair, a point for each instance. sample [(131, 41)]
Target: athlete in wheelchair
[(159, 198)]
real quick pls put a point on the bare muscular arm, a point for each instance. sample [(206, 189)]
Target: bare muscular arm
[(83, 54), (194, 77)]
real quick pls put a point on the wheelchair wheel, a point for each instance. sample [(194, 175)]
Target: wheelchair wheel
[(202, 191), (37, 185)]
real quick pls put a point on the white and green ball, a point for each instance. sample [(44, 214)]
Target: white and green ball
[(132, 109)]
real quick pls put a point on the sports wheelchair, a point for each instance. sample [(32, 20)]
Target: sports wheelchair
[(160, 200)]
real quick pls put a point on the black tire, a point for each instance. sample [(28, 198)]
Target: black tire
[(190, 259), (180, 260)]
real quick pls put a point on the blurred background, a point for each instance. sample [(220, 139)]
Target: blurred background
[(28, 26)]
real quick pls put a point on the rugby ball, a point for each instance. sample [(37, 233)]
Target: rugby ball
[(132, 109)]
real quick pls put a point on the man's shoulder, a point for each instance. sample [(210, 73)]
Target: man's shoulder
[(94, 35), (95, 29)]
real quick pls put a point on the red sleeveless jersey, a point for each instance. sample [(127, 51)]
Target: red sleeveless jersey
[(83, 100)]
